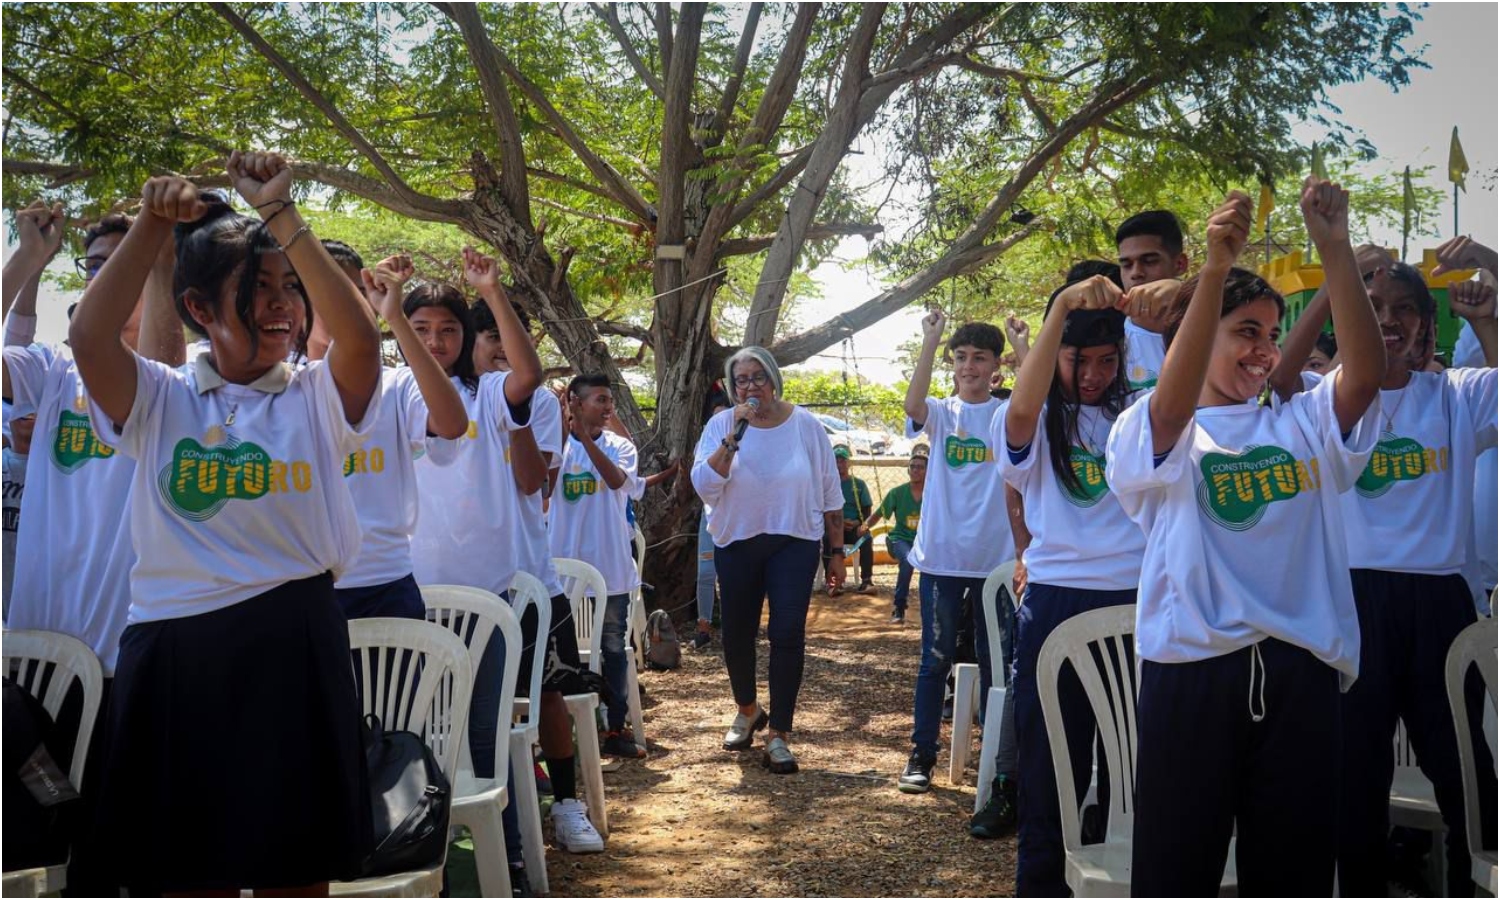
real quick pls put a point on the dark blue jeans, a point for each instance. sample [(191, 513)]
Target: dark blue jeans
[(778, 568), (616, 666), (1039, 840), (899, 551), (942, 599), (399, 599)]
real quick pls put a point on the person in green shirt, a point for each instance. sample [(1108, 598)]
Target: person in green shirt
[(857, 504), (903, 504)]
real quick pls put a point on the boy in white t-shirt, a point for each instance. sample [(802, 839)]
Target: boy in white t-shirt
[(1150, 248), (588, 504), (965, 532)]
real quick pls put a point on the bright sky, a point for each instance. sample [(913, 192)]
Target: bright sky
[(1408, 128)]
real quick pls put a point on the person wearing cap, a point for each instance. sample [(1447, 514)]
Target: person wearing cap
[(770, 489), (903, 503), (1085, 552), (857, 504)]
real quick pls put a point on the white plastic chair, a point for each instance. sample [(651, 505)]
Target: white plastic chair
[(1474, 646), (1100, 870), (1414, 805), (579, 579), (526, 590), (966, 685), (45, 664), (994, 704), (638, 607), (473, 614), (416, 677), (590, 645)]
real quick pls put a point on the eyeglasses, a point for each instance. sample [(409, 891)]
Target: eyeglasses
[(89, 266), (759, 379)]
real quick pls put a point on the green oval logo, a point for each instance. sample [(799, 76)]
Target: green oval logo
[(200, 480), (960, 452), (578, 486), (1237, 488), (1091, 484), (75, 443)]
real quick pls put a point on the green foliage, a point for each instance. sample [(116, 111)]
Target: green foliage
[(850, 398)]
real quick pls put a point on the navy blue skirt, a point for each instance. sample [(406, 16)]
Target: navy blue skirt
[(236, 753)]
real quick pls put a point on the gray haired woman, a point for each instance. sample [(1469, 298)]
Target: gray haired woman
[(770, 490)]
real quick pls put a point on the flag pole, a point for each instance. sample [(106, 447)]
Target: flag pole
[(1455, 209)]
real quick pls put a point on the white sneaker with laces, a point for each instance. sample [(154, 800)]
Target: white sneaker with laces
[(572, 830)]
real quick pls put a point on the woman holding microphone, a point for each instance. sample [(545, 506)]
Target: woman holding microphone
[(770, 490)]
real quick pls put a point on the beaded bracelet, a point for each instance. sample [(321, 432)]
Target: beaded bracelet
[(296, 236)]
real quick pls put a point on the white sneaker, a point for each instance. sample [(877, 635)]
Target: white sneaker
[(572, 830)]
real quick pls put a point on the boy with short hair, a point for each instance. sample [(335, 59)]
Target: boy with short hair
[(598, 476), (1150, 248), (965, 532), (903, 503), (857, 503)]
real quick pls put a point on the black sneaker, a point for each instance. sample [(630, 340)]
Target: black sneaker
[(917, 777), (702, 639), (998, 817), (948, 709), (898, 617), (622, 745), (520, 885)]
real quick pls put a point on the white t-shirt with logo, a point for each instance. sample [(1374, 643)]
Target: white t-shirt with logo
[(1145, 351), (782, 480), (237, 490), (467, 531), (965, 529), (382, 479), (73, 553), (1079, 539), (1412, 508), (586, 514), (1244, 536)]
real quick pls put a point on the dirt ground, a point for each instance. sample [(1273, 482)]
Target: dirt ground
[(692, 820)]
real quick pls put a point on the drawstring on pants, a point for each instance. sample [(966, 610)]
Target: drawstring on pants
[(1257, 663)]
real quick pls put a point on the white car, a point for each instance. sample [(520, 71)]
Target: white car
[(859, 441)]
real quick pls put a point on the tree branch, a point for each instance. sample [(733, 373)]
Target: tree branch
[(584, 214), (737, 76), (622, 191), (625, 330), (815, 232), (322, 103), (610, 14), (801, 347), (663, 20), (485, 56), (830, 147)]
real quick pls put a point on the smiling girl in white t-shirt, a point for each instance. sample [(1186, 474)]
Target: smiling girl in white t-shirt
[(1245, 622), (236, 757)]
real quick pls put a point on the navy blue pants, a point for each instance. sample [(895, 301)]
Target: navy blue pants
[(1205, 765), (399, 599), (1406, 624), (768, 567), (1039, 839)]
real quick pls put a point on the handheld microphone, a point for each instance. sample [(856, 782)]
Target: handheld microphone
[(739, 430)]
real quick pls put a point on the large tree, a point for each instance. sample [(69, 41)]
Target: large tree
[(642, 167)]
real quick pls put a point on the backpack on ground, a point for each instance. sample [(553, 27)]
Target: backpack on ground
[(40, 806), (409, 801), (663, 650)]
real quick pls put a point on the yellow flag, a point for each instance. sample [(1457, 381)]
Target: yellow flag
[(1458, 165), (1263, 209)]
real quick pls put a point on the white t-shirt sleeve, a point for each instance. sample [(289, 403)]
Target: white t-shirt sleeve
[(1315, 414), (1130, 464), (1018, 473), (628, 462), (328, 408), (1477, 390), (28, 367), (825, 465), (935, 408), (152, 380), (19, 330), (412, 408), (708, 483), (1468, 353), (546, 426)]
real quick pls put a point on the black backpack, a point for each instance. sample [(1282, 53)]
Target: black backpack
[(663, 650), (409, 801), (40, 804)]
